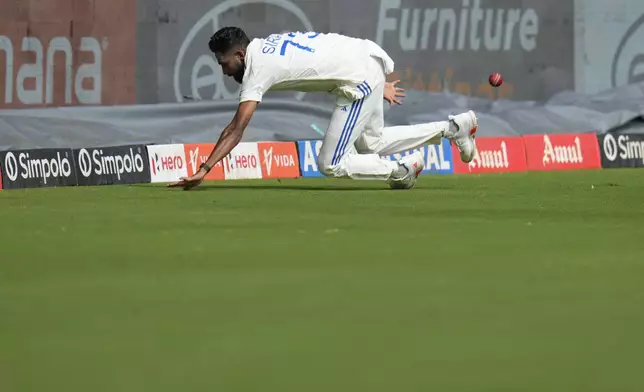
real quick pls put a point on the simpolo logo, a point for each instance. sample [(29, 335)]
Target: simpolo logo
[(610, 147), (11, 166), (101, 164), (623, 147), (205, 72), (32, 168), (628, 63)]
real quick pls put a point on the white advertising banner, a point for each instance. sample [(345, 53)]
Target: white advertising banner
[(167, 162)]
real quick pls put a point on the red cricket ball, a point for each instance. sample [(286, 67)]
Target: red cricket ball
[(496, 80)]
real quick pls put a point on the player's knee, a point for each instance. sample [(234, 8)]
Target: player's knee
[(364, 146), (326, 167), (366, 149)]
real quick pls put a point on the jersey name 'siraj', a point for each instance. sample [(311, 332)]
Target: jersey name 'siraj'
[(309, 61)]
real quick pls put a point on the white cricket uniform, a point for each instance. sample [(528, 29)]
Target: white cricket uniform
[(355, 71)]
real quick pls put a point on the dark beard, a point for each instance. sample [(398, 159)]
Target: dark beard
[(239, 75)]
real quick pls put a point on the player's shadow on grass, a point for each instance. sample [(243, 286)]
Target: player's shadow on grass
[(288, 187), (209, 187)]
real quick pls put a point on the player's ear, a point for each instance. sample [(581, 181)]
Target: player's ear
[(241, 53)]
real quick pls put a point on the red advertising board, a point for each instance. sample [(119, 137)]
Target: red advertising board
[(247, 161), (562, 151), (494, 154), (279, 160), (196, 154)]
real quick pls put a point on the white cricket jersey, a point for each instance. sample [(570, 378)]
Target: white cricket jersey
[(310, 61)]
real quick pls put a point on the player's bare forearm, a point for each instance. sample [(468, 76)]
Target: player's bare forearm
[(232, 134), (228, 139)]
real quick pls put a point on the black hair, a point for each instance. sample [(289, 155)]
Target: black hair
[(227, 38)]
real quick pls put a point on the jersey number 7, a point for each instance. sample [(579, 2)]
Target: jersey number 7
[(297, 45)]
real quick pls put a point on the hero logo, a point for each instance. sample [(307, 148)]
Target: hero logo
[(166, 163), (205, 72), (624, 147), (470, 28), (628, 62), (279, 160), (562, 154), (491, 159), (109, 164), (43, 168), (241, 161)]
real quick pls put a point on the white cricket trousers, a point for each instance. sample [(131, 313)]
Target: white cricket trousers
[(356, 138)]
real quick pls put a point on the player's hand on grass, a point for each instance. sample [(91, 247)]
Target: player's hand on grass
[(189, 182), (392, 93)]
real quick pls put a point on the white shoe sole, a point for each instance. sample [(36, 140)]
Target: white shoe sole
[(415, 163), (465, 137)]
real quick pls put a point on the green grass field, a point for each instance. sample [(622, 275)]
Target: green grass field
[(527, 282)]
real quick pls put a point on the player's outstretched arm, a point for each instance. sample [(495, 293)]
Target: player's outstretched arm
[(391, 93), (229, 138)]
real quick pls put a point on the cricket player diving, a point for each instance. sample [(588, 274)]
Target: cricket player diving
[(354, 71)]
